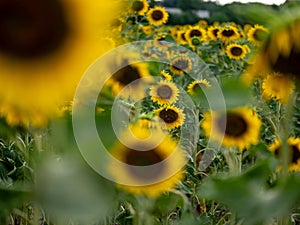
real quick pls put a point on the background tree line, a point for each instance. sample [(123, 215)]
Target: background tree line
[(222, 13)]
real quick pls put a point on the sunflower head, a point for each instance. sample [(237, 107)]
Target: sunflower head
[(236, 128), (157, 16), (294, 146), (196, 86), (139, 6), (150, 166), (39, 46), (277, 86), (257, 34), (165, 92), (181, 64), (281, 50), (236, 51), (227, 34), (212, 32), (171, 116)]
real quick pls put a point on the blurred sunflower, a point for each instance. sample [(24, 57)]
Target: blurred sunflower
[(196, 86), (165, 92), (172, 116), (141, 152), (237, 127), (227, 34), (281, 51), (257, 34), (181, 64), (294, 145), (139, 6), (157, 16), (45, 47), (131, 74), (236, 51), (277, 86)]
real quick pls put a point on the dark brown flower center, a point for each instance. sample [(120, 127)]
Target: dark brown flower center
[(228, 33), (295, 153), (195, 33), (164, 91), (157, 15), (142, 159), (236, 51), (32, 29), (215, 32), (235, 125), (168, 115), (126, 75), (137, 6), (288, 65)]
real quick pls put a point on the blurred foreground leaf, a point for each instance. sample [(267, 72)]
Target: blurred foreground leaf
[(249, 195)]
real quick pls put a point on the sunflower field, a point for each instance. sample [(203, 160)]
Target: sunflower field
[(111, 116)]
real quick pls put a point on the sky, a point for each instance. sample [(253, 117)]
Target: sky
[(269, 2)]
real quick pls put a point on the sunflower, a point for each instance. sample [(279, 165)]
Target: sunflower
[(139, 6), (281, 51), (157, 16), (196, 86), (181, 64), (277, 86), (45, 47), (171, 116), (195, 31), (227, 34), (162, 155), (131, 74), (257, 34), (212, 32), (165, 92), (294, 145), (236, 51), (238, 127)]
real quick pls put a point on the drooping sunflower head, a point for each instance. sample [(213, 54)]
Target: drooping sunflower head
[(157, 16), (236, 51), (227, 34), (171, 116), (197, 86), (257, 34), (181, 64), (236, 128), (294, 146), (139, 6), (277, 86), (165, 92), (150, 166), (42, 45)]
